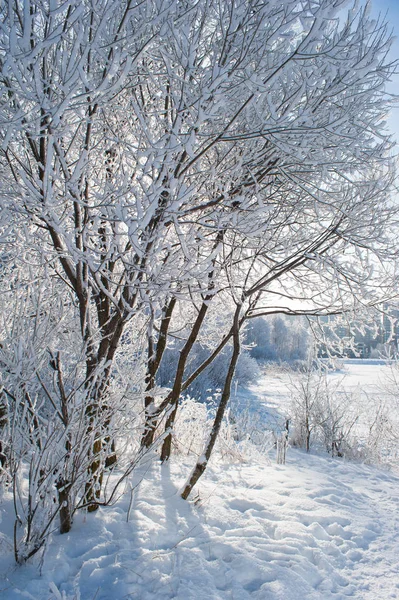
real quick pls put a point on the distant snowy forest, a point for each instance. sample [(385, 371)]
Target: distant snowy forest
[(182, 182)]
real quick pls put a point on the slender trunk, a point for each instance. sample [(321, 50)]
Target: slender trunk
[(154, 361), (3, 425), (95, 477), (63, 484), (307, 434), (63, 488), (98, 417), (184, 354), (167, 444), (201, 465), (149, 402), (157, 411), (177, 386), (97, 426)]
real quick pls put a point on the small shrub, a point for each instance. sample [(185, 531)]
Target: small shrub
[(322, 413)]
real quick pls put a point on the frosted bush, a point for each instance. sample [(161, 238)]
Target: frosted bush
[(322, 414), (190, 427), (325, 416), (242, 437)]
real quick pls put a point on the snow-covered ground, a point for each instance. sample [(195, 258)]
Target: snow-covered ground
[(313, 529), (367, 378), (370, 386)]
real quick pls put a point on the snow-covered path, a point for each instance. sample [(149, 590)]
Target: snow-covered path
[(378, 499), (315, 528)]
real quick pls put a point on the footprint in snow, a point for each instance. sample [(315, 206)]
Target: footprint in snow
[(244, 505)]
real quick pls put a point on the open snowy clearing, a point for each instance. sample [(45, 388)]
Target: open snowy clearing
[(368, 379), (315, 528)]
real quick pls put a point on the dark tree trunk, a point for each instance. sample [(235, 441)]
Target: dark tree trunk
[(184, 354), (95, 478), (65, 508), (178, 382), (308, 433), (167, 444), (3, 424), (98, 420), (154, 361), (201, 465), (148, 436)]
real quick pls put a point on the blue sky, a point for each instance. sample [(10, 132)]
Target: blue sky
[(390, 8)]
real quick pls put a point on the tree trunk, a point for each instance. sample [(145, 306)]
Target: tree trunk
[(96, 413), (154, 360), (65, 508), (181, 365), (155, 412), (167, 444), (308, 432), (201, 465), (95, 478), (3, 424), (153, 416)]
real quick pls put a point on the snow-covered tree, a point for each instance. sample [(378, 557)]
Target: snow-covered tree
[(166, 153), (278, 338)]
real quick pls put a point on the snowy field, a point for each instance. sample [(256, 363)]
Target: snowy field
[(370, 387), (315, 528), (368, 379)]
